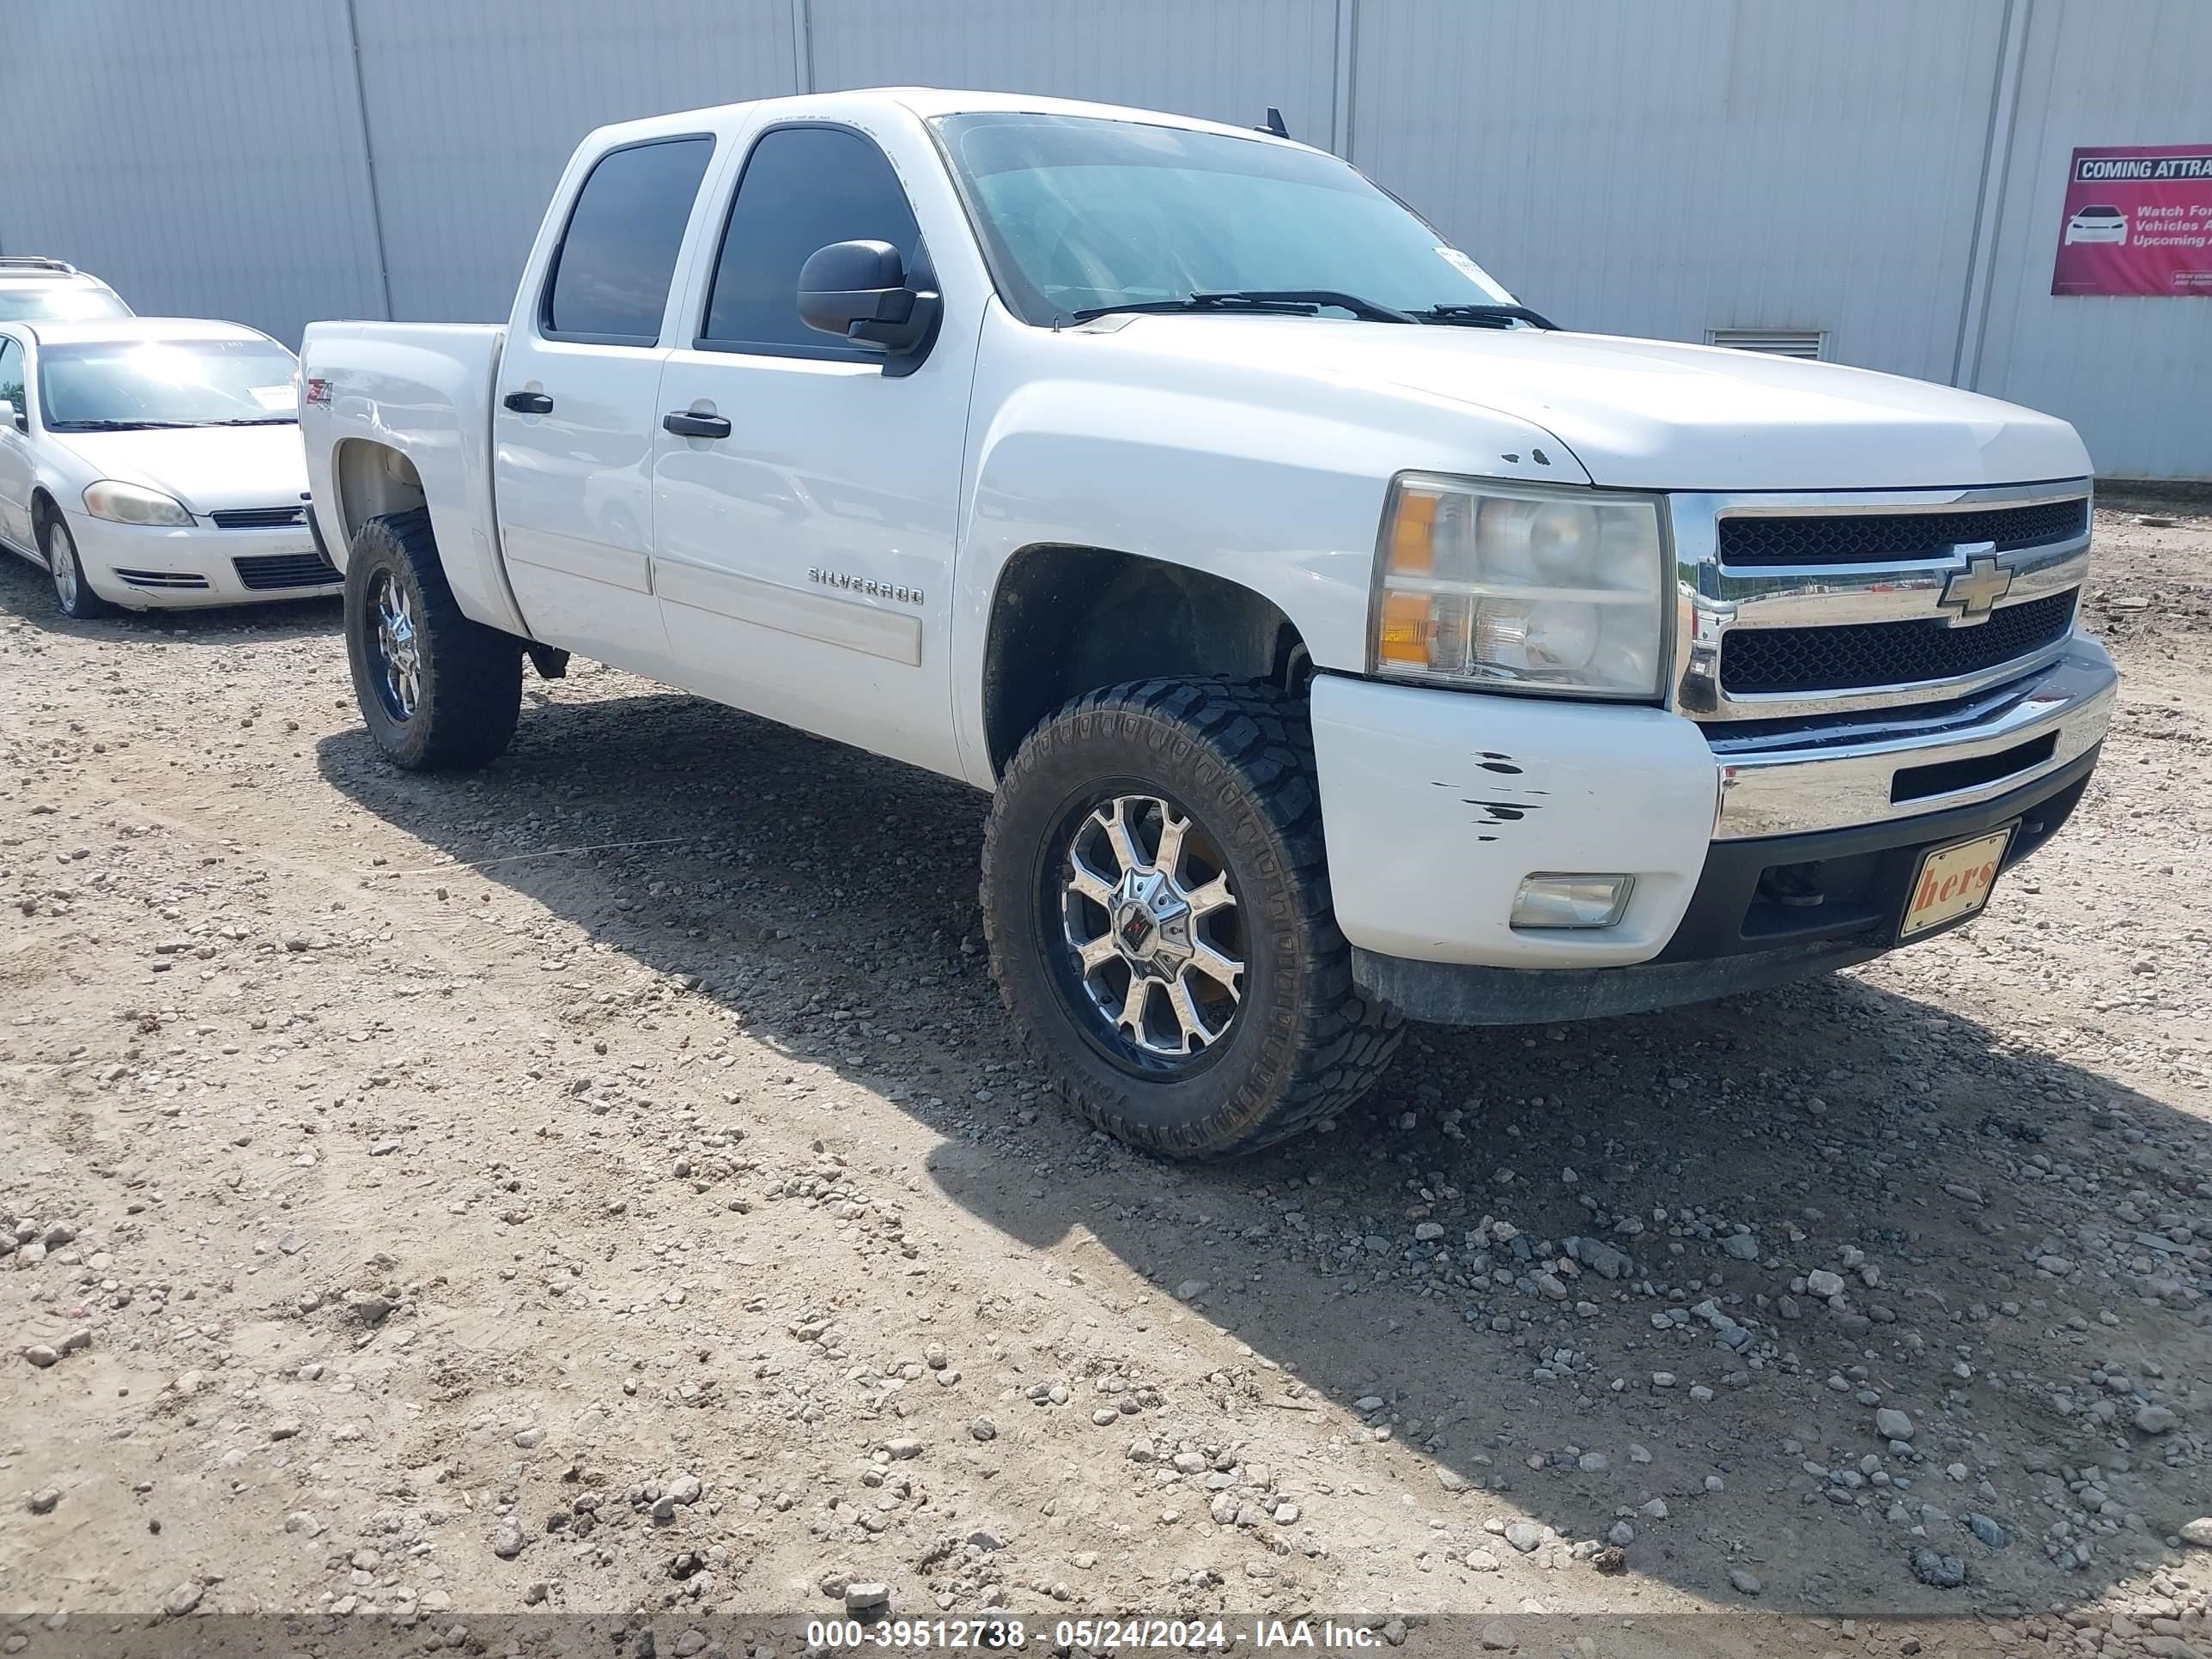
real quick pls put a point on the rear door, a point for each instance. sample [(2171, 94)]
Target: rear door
[(804, 562), (576, 406)]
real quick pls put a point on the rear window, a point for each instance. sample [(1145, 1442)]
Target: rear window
[(59, 302), (610, 275)]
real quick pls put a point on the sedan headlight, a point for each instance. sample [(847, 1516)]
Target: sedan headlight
[(129, 504), (1520, 587)]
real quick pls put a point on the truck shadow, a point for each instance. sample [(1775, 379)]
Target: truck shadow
[(810, 885)]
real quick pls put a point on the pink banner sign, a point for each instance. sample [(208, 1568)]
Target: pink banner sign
[(2138, 221)]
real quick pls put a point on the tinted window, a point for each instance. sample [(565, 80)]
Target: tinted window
[(804, 188), (610, 275), (11, 374)]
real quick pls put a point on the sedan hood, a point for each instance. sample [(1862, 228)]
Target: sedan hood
[(205, 467), (1655, 414)]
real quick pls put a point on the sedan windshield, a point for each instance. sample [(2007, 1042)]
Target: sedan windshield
[(59, 302), (113, 385), (1080, 213)]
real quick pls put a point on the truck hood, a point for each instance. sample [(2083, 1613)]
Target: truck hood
[(1655, 415), (205, 467)]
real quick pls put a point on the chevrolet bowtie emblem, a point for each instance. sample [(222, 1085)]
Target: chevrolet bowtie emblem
[(1972, 593)]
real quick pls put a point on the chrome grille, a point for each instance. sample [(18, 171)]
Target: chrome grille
[(1798, 606)]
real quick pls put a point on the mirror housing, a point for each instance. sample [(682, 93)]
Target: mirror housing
[(862, 292), (14, 416)]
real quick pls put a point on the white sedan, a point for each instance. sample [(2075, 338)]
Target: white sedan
[(153, 462)]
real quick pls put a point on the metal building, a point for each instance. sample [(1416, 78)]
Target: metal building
[(1882, 181)]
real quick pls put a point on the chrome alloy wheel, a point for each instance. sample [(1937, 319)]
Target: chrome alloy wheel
[(398, 648), (1154, 927)]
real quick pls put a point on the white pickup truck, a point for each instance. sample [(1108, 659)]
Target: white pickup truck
[(1342, 641)]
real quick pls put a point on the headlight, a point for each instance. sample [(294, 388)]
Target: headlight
[(128, 504), (1521, 587)]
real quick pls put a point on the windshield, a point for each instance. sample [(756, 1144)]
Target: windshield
[(1078, 212), (59, 302), (98, 385)]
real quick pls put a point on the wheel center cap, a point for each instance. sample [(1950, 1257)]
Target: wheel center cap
[(1152, 922)]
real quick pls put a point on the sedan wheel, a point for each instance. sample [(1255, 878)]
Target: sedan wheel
[(72, 592)]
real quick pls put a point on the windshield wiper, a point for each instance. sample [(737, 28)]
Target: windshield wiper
[(1292, 302), (263, 419), (115, 426), (1487, 316)]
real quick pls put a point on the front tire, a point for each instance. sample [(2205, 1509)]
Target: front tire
[(1155, 897), (438, 691), (73, 593)]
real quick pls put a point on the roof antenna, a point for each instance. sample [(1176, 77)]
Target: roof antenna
[(1274, 124)]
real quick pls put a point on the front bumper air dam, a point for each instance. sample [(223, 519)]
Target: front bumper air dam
[(168, 567)]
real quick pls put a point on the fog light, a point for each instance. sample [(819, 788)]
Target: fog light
[(1546, 901)]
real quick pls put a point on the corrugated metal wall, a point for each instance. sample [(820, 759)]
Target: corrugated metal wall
[(473, 110), (1704, 164), (2135, 374), (1652, 166), (205, 158)]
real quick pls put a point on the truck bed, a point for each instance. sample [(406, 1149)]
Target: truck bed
[(421, 392)]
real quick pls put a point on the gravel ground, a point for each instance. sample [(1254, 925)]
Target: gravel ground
[(605, 1184)]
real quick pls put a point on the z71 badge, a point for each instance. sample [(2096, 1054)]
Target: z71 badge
[(895, 591)]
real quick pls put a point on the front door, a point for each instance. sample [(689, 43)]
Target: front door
[(804, 562), (15, 452), (575, 410)]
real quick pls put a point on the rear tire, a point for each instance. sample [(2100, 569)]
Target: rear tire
[(438, 691), (1169, 832), (73, 594)]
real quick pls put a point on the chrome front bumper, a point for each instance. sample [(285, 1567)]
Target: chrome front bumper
[(1900, 763)]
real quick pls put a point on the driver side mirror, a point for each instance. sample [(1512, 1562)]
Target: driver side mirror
[(862, 291), (14, 416)]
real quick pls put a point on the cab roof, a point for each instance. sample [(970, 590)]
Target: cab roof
[(926, 102)]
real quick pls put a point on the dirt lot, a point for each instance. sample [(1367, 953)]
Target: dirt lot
[(605, 1185)]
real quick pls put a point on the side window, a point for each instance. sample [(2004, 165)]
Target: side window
[(611, 274), (802, 189), (11, 374)]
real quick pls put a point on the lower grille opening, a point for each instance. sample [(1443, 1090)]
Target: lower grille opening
[(1855, 656), (1824, 896), (274, 570), (168, 579), (1919, 783)]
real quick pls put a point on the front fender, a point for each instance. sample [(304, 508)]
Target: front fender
[(1271, 481)]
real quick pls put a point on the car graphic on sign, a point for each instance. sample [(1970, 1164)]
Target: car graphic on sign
[(2097, 224)]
